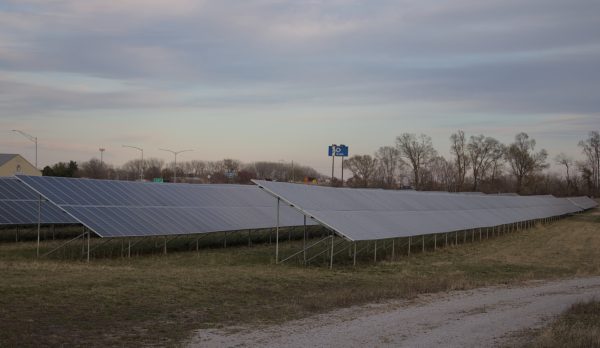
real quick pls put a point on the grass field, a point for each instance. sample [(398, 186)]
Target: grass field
[(159, 300)]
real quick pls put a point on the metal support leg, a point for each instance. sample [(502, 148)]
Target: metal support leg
[(456, 236), (39, 225), (435, 242), (446, 243), (225, 240), (331, 258), (277, 234), (480, 233), (165, 246), (409, 243), (129, 248), (375, 257), (88, 246), (354, 263), (423, 243), (304, 241), (393, 250)]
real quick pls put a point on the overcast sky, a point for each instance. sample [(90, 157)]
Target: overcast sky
[(272, 80)]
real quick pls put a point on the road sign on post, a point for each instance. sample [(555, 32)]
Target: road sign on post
[(339, 150)]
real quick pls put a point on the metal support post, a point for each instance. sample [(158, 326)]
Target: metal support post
[(480, 233), (393, 250), (446, 244), (225, 240), (88, 246), (129, 248), (423, 243), (435, 242), (375, 257), (354, 264), (331, 259), (165, 245), (409, 243), (39, 225), (304, 241), (277, 234)]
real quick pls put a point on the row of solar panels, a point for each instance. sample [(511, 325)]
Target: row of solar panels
[(129, 209), (362, 214)]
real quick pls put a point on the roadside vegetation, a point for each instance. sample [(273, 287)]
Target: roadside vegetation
[(578, 327), (160, 300)]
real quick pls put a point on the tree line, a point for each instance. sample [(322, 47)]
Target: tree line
[(478, 163), (196, 171)]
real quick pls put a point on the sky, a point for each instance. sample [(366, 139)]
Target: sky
[(281, 79)]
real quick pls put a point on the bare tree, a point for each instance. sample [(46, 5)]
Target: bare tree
[(524, 162), (591, 149), (418, 151), (567, 162), (483, 154), (93, 169), (390, 165), (363, 168), (458, 148), (443, 172)]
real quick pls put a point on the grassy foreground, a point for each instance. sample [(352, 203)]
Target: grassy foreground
[(578, 327), (160, 300)]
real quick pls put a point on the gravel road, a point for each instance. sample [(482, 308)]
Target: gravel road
[(474, 318)]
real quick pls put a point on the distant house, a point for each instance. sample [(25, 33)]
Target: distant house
[(11, 164)]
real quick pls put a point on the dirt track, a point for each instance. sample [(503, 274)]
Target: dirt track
[(475, 318)]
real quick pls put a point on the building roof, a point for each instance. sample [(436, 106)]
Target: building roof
[(5, 157)]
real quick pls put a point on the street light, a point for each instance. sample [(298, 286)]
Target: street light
[(102, 156), (32, 139), (175, 165), (142, 163)]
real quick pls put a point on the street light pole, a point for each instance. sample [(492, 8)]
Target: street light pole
[(175, 153), (102, 156), (32, 139), (142, 163)]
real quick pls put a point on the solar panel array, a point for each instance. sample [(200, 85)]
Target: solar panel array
[(134, 209), (19, 206), (365, 214)]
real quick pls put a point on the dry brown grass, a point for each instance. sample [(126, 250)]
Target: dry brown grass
[(159, 300), (578, 327)]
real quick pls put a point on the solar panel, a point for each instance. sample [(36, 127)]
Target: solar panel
[(584, 202), (363, 214), (19, 206), (135, 209)]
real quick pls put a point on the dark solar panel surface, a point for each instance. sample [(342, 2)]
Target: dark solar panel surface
[(132, 209)]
